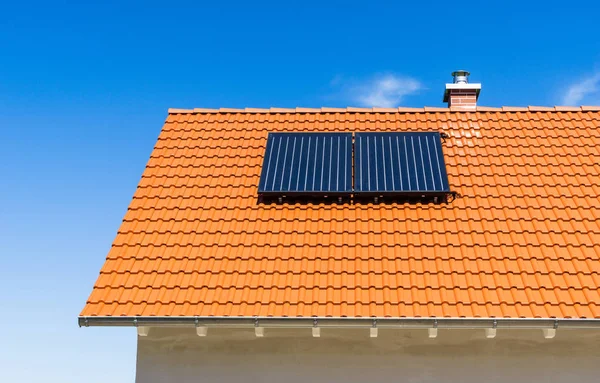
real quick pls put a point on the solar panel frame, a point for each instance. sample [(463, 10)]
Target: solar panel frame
[(307, 164), (399, 163)]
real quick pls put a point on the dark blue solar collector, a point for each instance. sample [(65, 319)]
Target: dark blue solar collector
[(307, 164), (407, 163)]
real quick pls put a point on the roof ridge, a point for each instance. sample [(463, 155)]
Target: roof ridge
[(427, 109)]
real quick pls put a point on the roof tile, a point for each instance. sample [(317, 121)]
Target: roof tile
[(333, 110), (514, 109), (541, 108), (385, 110), (435, 109), (488, 109), (230, 110), (204, 110), (308, 110), (588, 108), (414, 110), (522, 241), (567, 108), (359, 110)]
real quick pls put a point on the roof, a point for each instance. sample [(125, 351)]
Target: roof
[(523, 241)]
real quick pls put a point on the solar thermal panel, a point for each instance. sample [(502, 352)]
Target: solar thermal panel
[(307, 164), (399, 163)]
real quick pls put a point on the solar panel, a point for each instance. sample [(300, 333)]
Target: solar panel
[(399, 164), (307, 164)]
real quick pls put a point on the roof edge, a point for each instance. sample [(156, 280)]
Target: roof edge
[(339, 322), (427, 109)]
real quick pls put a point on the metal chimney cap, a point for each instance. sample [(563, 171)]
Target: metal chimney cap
[(461, 77)]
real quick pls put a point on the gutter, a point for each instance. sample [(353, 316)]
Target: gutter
[(339, 322)]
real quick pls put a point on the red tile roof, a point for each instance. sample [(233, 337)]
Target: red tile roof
[(523, 241)]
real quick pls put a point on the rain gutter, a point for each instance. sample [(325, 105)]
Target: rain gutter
[(339, 322)]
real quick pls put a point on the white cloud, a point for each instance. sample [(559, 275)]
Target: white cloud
[(384, 91), (582, 90)]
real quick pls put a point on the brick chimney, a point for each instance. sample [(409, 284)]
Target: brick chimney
[(460, 95)]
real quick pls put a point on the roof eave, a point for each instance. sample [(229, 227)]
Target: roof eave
[(331, 322)]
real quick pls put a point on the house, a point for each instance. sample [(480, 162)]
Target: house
[(491, 277)]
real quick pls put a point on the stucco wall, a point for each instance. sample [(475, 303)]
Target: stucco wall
[(290, 356)]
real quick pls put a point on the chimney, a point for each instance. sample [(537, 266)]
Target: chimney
[(460, 95)]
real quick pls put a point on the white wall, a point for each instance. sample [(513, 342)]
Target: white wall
[(290, 356)]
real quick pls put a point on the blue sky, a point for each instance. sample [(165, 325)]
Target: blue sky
[(84, 90)]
